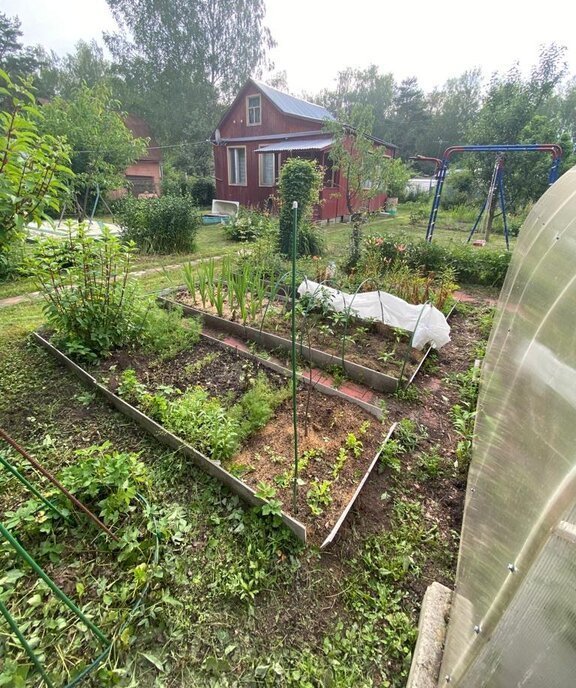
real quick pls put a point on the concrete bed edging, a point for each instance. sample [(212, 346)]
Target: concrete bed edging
[(374, 379), (375, 411), (432, 624), (214, 468)]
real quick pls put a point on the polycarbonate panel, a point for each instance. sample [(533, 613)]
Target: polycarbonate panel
[(522, 479), (533, 645)]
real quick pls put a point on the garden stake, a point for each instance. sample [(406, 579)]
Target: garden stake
[(410, 344), (50, 583), (29, 651), (14, 471), (58, 484), (294, 380)]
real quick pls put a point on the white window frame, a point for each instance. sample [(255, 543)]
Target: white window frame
[(261, 169), (249, 107), (232, 165)]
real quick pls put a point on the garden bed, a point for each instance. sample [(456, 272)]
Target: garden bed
[(336, 454), (374, 355)]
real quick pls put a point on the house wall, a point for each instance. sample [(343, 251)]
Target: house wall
[(333, 199), (146, 168)]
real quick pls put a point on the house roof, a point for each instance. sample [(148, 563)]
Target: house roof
[(141, 129), (291, 105), (297, 145)]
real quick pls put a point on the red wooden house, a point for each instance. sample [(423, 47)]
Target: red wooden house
[(145, 174), (259, 131)]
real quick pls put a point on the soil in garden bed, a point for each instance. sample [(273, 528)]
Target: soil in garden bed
[(373, 345), (334, 454)]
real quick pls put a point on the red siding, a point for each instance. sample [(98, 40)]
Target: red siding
[(333, 201)]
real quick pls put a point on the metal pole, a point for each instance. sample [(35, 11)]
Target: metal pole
[(55, 589), (28, 484), (58, 484), (29, 651), (503, 206), (294, 376)]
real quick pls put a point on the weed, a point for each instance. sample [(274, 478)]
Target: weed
[(409, 433), (319, 496), (430, 463), (390, 456), (354, 445), (194, 368), (408, 393)]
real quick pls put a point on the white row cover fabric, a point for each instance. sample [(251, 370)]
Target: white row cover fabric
[(430, 324)]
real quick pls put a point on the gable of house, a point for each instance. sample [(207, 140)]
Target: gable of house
[(259, 131)]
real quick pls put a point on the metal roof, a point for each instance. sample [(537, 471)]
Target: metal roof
[(297, 145), (295, 106)]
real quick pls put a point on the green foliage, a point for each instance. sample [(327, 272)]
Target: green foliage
[(102, 145), (257, 406), (90, 301), (107, 481), (470, 265), (203, 421), (300, 181), (200, 420), (167, 333), (319, 496), (249, 225), (175, 182), (160, 225), (33, 167)]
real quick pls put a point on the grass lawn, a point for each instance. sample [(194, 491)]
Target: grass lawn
[(233, 600)]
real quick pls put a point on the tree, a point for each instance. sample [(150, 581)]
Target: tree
[(33, 166), (366, 167), (518, 110), (182, 61), (409, 123), (15, 59), (102, 146), (366, 87)]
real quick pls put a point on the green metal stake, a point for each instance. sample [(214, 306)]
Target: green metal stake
[(16, 473), (29, 651), (55, 589), (294, 377)]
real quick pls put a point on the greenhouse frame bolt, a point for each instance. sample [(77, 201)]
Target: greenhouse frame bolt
[(447, 679), (477, 629), (512, 568)]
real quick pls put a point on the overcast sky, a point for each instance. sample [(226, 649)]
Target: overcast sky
[(431, 40)]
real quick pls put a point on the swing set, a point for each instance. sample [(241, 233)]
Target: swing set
[(496, 189)]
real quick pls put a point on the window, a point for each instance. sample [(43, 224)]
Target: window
[(237, 166), (254, 110), (267, 169)]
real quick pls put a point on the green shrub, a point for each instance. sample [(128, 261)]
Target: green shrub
[(300, 181), (249, 225), (310, 243), (471, 265), (160, 225), (202, 191), (90, 300)]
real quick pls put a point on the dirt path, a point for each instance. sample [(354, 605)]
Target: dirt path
[(32, 295)]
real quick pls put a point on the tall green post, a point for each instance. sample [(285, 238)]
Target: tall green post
[(294, 378)]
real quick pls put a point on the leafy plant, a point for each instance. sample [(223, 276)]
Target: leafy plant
[(90, 300), (300, 182), (257, 406), (248, 225), (160, 225), (354, 445), (34, 167), (167, 333), (319, 496)]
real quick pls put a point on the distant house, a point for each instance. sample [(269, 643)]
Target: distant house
[(145, 174), (260, 130)]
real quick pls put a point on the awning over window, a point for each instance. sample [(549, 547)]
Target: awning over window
[(297, 145)]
